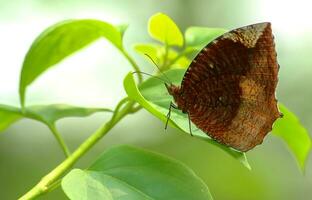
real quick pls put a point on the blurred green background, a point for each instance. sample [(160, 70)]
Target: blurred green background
[(93, 77)]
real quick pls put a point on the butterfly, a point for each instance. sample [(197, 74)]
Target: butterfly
[(228, 91)]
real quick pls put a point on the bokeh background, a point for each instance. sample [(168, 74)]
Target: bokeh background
[(93, 77)]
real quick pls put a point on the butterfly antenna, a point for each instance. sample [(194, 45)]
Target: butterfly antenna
[(164, 80), (158, 68)]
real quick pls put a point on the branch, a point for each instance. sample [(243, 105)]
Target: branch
[(43, 186)]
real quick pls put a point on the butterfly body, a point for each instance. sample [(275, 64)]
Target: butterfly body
[(228, 90)]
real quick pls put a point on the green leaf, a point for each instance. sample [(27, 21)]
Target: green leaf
[(157, 52), (153, 50), (294, 134), (162, 28), (153, 96), (49, 114), (198, 37), (132, 173), (182, 62), (8, 115), (59, 41), (82, 185)]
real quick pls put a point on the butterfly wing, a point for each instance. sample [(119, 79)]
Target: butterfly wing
[(229, 88)]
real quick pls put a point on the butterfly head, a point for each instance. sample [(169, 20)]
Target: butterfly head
[(173, 90), (176, 92)]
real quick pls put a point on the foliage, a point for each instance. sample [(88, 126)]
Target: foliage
[(120, 173), (294, 134), (126, 172)]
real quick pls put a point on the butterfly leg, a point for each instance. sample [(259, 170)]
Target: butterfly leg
[(190, 125), (169, 113)]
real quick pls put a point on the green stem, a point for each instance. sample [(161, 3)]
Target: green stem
[(51, 180), (43, 186), (119, 105), (136, 109), (27, 114), (54, 185), (134, 65), (59, 139)]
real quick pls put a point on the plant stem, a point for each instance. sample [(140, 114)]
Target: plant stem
[(28, 114), (134, 65), (59, 139), (54, 185), (56, 173), (50, 181)]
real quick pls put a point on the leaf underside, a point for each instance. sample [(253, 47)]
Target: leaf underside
[(47, 114)]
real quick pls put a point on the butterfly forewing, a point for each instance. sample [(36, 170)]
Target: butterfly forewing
[(229, 88)]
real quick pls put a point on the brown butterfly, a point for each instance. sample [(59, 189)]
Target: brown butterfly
[(228, 91)]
